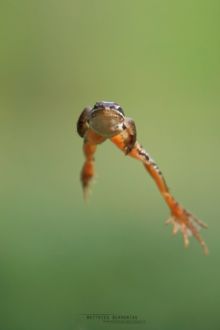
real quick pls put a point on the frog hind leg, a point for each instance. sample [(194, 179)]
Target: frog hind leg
[(180, 218), (91, 140)]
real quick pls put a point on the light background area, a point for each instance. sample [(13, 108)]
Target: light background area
[(60, 257)]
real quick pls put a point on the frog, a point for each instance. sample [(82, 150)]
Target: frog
[(106, 120)]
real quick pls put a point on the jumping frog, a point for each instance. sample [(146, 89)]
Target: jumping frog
[(106, 120)]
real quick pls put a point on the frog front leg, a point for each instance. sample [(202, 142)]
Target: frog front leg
[(82, 123)]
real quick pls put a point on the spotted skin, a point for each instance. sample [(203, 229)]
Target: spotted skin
[(106, 120)]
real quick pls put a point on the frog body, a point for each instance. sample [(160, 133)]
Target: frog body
[(107, 120)]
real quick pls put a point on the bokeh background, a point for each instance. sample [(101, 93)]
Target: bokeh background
[(60, 258)]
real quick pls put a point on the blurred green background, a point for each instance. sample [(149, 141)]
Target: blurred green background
[(59, 257)]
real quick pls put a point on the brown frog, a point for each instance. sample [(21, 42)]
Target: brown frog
[(106, 120)]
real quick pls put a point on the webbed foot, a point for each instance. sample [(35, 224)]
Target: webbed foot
[(188, 224)]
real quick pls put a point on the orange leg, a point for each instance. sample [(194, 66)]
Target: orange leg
[(88, 171), (91, 140), (180, 218)]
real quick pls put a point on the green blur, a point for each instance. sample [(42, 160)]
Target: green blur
[(60, 258)]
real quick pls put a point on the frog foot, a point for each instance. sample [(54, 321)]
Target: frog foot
[(189, 225)]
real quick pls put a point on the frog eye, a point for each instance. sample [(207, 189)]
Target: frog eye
[(96, 105), (120, 110)]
